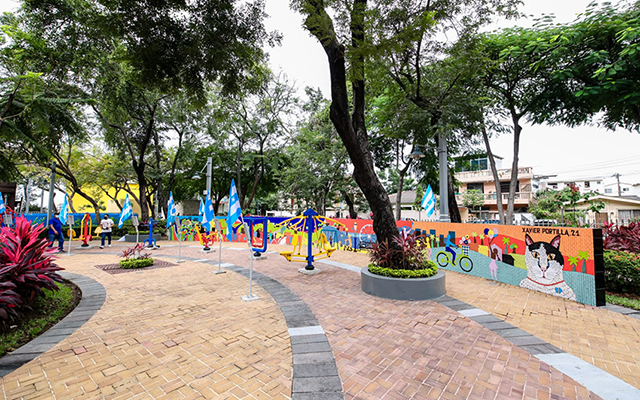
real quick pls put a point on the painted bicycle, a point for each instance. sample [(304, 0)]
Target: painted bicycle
[(444, 258)]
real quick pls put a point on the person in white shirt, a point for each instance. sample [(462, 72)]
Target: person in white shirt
[(106, 224)]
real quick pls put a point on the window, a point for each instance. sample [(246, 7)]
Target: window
[(587, 184), (627, 215), (625, 189), (553, 185), (476, 186), (608, 191), (599, 183), (504, 186)]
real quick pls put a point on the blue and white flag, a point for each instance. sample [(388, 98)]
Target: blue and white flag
[(207, 213), (64, 210), (234, 209), (171, 211), (3, 208), (429, 202), (201, 209), (126, 213)]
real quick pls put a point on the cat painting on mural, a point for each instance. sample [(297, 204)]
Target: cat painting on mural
[(544, 268)]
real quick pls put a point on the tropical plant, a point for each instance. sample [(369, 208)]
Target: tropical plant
[(9, 301), (26, 261), (623, 238), (136, 263), (406, 254), (135, 253)]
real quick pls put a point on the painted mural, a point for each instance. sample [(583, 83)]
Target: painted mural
[(564, 262)]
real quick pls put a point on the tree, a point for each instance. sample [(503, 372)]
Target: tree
[(518, 78), (317, 158), (473, 199), (423, 49), (349, 119)]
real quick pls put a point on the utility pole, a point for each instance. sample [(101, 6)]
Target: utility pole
[(617, 176)]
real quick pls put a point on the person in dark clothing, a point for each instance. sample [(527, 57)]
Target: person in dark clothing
[(55, 231)]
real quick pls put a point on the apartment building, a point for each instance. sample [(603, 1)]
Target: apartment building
[(474, 172)]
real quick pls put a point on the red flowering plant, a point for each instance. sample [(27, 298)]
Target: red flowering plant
[(404, 260), (26, 261)]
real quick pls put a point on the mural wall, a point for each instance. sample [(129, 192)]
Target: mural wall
[(564, 262)]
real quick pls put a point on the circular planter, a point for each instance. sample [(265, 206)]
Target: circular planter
[(403, 289)]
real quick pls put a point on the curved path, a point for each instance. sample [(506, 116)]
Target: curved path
[(184, 332)]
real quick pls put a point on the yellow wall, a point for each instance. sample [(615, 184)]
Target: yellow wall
[(107, 205)]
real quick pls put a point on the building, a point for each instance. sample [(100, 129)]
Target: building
[(617, 209), (106, 202), (474, 173), (409, 213)]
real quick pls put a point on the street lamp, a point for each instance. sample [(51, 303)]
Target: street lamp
[(416, 154), (208, 167), (443, 175)]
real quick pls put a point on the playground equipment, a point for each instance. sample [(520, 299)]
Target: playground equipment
[(206, 239), (309, 222), (85, 230), (258, 240), (151, 242)]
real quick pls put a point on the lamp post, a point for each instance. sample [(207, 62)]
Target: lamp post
[(51, 188), (443, 173), (416, 154), (208, 167)]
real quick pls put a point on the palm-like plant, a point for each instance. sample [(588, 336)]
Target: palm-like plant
[(584, 256), (26, 260), (573, 261)]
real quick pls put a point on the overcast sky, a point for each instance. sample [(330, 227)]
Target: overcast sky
[(572, 153)]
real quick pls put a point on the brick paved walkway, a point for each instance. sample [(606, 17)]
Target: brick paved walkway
[(184, 332)]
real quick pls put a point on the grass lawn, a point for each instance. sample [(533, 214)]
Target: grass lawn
[(47, 311), (624, 299)]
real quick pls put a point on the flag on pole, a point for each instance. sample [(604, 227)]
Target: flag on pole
[(3, 208), (171, 211), (126, 213), (201, 209), (429, 202), (64, 210), (234, 209), (207, 213)]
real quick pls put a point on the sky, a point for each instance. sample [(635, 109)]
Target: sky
[(571, 153)]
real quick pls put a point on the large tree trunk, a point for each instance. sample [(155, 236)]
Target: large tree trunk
[(517, 129), (454, 212), (352, 128), (352, 209), (496, 178)]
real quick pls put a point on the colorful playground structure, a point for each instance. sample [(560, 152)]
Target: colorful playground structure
[(309, 222)]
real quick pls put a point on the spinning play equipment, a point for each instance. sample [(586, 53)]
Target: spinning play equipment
[(150, 242), (309, 222), (258, 237), (85, 230)]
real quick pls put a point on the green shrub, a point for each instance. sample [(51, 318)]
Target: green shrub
[(622, 271), (429, 270), (136, 263)]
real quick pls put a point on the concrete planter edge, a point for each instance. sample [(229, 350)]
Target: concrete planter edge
[(403, 289)]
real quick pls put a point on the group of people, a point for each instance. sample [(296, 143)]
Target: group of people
[(55, 231)]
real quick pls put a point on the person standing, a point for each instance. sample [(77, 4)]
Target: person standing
[(106, 224), (55, 231)]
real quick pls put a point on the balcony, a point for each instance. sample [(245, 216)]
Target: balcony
[(487, 175), (521, 198)]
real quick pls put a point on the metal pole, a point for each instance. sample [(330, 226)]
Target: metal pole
[(251, 296), (209, 162), (51, 188), (219, 232), (28, 196), (444, 173), (42, 200)]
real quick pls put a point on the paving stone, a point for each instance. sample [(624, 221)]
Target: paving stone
[(317, 384), (317, 396), (308, 339), (312, 370), (313, 358), (310, 347)]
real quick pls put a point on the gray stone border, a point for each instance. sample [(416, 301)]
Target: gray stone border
[(93, 297)]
